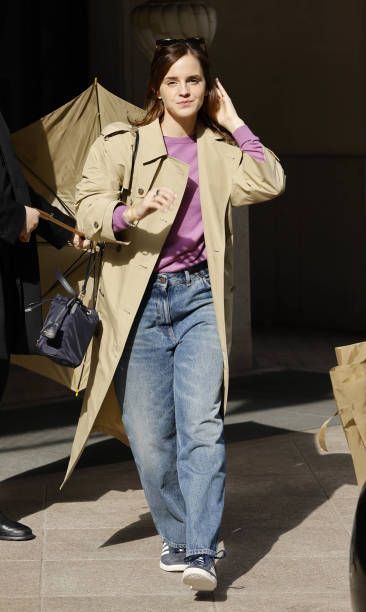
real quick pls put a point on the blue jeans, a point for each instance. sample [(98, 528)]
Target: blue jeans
[(169, 385)]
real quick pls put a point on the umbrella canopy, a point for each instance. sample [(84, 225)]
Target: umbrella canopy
[(52, 152), (53, 149)]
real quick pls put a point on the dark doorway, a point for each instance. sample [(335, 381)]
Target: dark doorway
[(45, 55)]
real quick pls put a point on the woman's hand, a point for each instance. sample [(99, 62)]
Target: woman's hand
[(156, 199), (80, 243), (30, 224), (225, 113)]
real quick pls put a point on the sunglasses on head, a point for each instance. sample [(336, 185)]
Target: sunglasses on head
[(197, 41)]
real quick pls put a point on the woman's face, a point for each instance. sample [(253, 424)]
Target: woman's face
[(183, 88)]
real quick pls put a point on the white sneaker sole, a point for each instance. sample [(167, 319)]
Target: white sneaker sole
[(179, 567), (199, 580)]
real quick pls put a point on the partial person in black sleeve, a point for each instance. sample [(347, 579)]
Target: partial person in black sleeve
[(19, 274)]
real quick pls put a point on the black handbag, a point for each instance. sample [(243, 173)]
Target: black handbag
[(69, 325)]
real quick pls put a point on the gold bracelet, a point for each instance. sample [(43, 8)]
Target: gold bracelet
[(131, 224)]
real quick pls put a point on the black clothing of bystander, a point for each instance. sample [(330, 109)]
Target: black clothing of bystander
[(19, 276)]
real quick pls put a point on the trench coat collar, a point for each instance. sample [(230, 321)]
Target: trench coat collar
[(152, 140)]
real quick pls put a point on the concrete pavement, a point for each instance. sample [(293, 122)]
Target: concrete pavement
[(286, 529)]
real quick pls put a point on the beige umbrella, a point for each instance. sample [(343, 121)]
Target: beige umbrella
[(52, 153)]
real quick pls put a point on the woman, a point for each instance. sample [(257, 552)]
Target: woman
[(165, 292)]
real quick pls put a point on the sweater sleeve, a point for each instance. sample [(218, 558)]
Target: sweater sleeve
[(118, 222), (249, 143)]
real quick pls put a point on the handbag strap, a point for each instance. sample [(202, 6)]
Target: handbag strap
[(66, 285), (89, 267), (134, 154)]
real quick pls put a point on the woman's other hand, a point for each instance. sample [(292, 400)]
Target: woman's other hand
[(156, 199), (80, 243), (225, 113)]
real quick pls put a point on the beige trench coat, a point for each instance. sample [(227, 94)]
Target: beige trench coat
[(227, 178)]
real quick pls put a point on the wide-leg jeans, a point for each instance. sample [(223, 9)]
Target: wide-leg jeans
[(169, 384)]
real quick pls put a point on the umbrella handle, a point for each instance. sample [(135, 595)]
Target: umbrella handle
[(48, 217)]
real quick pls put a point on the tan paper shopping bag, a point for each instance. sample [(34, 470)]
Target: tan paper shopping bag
[(349, 388)]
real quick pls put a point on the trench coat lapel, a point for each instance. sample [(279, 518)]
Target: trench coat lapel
[(152, 145), (151, 153)]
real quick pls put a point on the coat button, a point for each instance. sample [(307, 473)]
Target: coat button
[(140, 191), (96, 224)]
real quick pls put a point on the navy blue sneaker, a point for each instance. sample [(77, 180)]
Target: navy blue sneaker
[(200, 574), (172, 559)]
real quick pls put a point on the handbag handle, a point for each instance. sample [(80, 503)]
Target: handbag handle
[(66, 285)]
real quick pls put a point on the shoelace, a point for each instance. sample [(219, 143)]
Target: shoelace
[(201, 560), (176, 550)]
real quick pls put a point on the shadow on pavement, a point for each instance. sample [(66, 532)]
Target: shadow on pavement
[(257, 391), (264, 497), (269, 390)]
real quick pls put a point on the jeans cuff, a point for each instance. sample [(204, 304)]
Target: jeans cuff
[(171, 543), (201, 551)]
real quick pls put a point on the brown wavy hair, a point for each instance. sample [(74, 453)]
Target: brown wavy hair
[(164, 58)]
